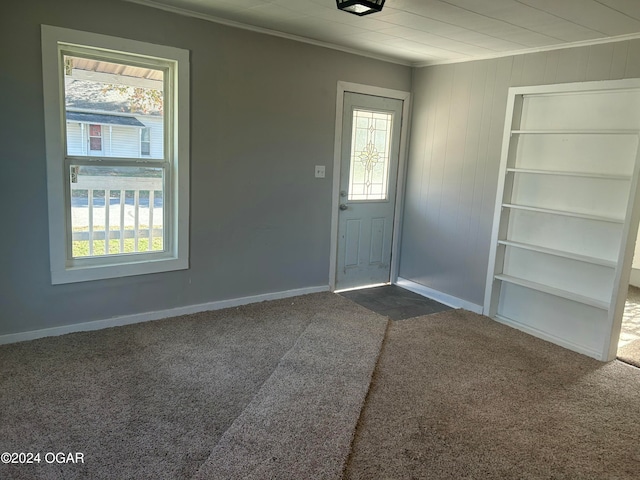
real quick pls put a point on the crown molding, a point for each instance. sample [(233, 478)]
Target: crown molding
[(549, 48), (384, 58), (267, 31)]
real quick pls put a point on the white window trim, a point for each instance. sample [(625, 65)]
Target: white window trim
[(176, 256)]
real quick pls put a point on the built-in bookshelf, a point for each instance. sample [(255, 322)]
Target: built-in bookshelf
[(562, 213)]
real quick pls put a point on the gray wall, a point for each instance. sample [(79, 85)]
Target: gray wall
[(262, 115), (458, 119)]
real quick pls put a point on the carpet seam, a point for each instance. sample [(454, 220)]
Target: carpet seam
[(258, 390), (628, 362), (374, 372)]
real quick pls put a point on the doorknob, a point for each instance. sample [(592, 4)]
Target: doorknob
[(343, 206)]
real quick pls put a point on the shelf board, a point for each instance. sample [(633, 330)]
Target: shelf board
[(564, 213), (560, 253), (576, 132), (603, 176), (557, 292)]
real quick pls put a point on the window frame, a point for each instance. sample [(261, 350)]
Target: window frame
[(56, 42)]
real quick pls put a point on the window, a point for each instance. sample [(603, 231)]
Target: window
[(118, 205), (145, 142), (95, 138), (370, 154)]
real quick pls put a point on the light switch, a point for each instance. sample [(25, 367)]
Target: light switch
[(319, 171)]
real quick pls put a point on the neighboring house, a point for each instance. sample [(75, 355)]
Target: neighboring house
[(99, 123), (114, 135)]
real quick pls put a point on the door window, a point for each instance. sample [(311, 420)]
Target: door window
[(370, 153)]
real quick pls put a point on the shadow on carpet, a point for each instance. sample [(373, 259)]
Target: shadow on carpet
[(301, 423)]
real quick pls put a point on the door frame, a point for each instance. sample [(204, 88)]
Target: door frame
[(344, 87)]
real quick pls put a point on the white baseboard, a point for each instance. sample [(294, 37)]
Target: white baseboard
[(444, 298), (635, 277), (157, 315)]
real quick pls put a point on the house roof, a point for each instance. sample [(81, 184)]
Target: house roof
[(104, 119)]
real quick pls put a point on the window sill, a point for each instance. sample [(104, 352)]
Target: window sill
[(86, 272)]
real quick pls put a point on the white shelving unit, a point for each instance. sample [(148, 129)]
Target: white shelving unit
[(565, 212)]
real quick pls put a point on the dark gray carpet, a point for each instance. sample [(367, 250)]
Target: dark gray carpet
[(456, 395), (147, 401), (394, 302), (301, 423)]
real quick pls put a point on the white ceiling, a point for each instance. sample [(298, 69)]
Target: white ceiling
[(424, 32)]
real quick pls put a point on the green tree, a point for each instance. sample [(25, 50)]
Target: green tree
[(141, 100)]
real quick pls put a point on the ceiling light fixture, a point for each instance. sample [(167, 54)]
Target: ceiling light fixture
[(360, 7)]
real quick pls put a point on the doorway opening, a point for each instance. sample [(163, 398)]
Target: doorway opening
[(629, 341)]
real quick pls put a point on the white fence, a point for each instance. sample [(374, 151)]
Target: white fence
[(119, 221)]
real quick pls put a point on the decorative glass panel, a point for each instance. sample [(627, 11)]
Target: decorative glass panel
[(370, 151)]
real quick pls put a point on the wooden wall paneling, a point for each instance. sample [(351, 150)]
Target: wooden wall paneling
[(599, 63), (455, 151)]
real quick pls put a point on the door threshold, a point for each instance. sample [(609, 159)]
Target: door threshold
[(361, 287)]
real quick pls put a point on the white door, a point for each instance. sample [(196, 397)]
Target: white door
[(368, 177)]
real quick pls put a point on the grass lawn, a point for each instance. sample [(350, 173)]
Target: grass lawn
[(80, 248)]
